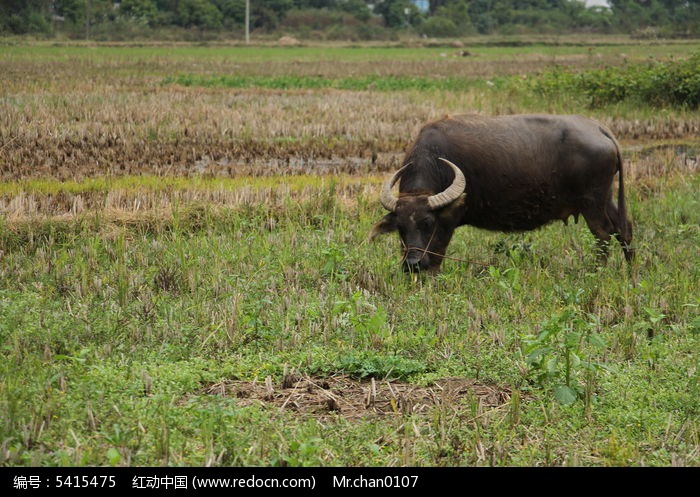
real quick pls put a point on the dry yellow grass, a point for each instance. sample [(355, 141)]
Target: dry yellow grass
[(79, 116)]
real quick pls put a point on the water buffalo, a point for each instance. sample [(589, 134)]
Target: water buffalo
[(508, 173)]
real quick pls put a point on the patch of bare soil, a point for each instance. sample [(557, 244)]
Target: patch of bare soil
[(349, 398)]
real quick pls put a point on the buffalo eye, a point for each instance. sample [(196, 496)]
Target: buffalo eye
[(426, 223)]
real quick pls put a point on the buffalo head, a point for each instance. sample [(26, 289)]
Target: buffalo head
[(425, 220)]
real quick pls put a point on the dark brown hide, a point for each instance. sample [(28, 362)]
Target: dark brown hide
[(521, 171)]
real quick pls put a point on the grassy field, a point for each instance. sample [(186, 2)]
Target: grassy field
[(185, 276)]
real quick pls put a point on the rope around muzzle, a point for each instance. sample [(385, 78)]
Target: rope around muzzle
[(426, 251), (466, 261)]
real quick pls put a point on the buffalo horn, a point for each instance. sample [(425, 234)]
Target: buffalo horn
[(452, 192), (387, 198)]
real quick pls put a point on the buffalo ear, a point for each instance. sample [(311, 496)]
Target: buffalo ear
[(387, 224)]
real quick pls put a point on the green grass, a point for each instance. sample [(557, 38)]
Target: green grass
[(482, 47), (655, 84), (114, 328), (377, 83), (110, 333)]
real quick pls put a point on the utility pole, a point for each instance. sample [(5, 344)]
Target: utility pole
[(87, 20), (247, 22)]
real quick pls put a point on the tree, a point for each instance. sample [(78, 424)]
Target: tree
[(143, 10), (633, 15), (457, 11), (450, 18), (80, 11), (394, 12), (166, 5), (357, 8), (198, 13), (316, 4), (460, 17), (266, 15), (232, 10), (71, 10), (438, 26), (25, 16)]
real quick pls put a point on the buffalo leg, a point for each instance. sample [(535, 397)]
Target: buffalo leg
[(602, 228), (622, 230)]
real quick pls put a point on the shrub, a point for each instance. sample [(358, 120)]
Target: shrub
[(439, 27), (309, 19), (659, 84)]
